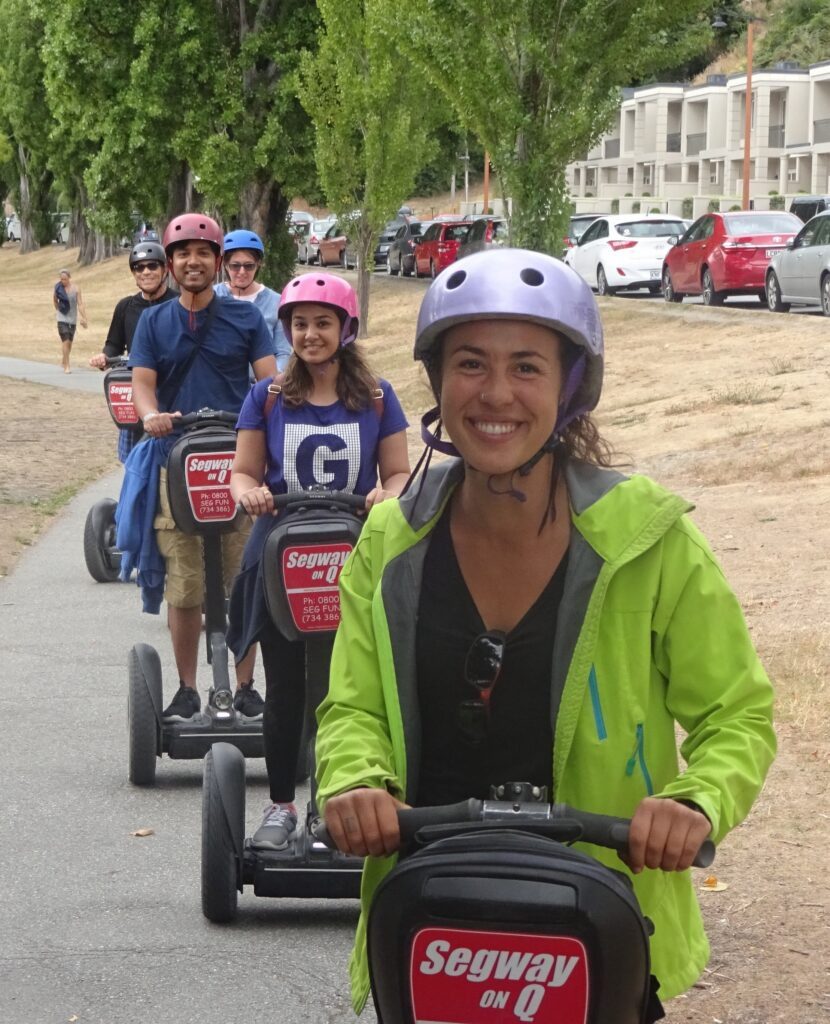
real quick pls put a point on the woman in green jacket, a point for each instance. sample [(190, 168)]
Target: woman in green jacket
[(594, 602)]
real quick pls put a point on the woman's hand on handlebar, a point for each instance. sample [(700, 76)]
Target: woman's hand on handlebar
[(377, 495), (159, 424), (364, 822), (665, 834), (258, 501)]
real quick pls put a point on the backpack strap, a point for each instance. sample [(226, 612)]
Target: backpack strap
[(275, 390), (377, 402)]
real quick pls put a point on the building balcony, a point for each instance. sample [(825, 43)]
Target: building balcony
[(821, 130), (775, 136), (695, 143), (612, 149)]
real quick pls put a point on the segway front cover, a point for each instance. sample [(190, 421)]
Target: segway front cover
[(198, 481), (118, 390)]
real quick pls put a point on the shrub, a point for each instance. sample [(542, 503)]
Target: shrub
[(635, 207), (713, 205), (688, 208), (776, 202), (655, 209), (615, 206), (734, 206)]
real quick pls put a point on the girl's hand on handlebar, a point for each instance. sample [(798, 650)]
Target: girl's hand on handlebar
[(377, 495), (364, 822), (159, 424), (258, 501), (665, 834)]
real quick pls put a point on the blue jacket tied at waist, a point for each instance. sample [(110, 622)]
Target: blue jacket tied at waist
[(135, 536)]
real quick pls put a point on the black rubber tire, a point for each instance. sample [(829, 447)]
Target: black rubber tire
[(603, 288), (220, 895), (389, 271), (773, 295), (669, 294), (344, 263), (654, 289), (432, 272), (711, 296), (825, 295), (404, 271), (143, 697), (99, 538), (415, 271)]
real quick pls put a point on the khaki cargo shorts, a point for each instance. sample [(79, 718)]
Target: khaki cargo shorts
[(182, 553)]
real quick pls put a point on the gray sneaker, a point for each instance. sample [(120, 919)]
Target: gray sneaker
[(278, 826)]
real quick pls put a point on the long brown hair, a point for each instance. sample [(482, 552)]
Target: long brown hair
[(356, 384)]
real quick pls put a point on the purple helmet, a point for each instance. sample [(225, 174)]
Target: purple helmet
[(517, 284)]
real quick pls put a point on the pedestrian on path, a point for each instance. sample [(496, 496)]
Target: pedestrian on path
[(69, 303)]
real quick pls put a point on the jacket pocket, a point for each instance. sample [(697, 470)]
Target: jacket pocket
[(638, 759), (599, 720)]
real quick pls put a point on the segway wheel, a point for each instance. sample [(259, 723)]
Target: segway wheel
[(220, 867), (143, 711), (102, 561)]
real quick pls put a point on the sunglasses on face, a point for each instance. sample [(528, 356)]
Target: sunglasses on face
[(482, 668), (239, 267), (139, 268)]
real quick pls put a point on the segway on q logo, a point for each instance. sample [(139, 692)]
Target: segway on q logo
[(472, 977), (310, 574), (207, 476)]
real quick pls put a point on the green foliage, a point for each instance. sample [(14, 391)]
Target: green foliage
[(537, 82), (777, 202), (799, 31), (615, 206), (713, 205), (635, 207), (687, 207)]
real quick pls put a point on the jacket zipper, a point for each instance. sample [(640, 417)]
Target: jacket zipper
[(639, 756), (599, 721)]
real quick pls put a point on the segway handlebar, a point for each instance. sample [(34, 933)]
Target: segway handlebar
[(113, 361), (557, 821), (203, 416), (320, 498)]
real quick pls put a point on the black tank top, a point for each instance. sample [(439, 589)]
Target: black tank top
[(518, 741)]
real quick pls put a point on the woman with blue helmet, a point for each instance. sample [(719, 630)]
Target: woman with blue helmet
[(243, 255), (524, 612)]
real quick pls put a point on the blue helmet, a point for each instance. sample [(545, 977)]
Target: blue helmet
[(242, 239)]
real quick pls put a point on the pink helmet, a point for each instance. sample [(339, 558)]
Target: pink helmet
[(326, 290), (189, 227)]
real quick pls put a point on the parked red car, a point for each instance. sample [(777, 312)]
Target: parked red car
[(438, 246), (726, 254)]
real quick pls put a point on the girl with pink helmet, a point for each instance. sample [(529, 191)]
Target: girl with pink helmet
[(327, 421)]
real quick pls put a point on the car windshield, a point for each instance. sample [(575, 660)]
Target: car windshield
[(579, 227), (388, 234), (752, 224), (320, 227), (414, 227), (457, 232), (650, 228)]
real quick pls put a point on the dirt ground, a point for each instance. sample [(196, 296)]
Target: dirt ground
[(729, 407)]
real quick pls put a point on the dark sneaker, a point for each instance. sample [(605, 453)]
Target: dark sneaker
[(185, 703), (248, 702), (278, 825)]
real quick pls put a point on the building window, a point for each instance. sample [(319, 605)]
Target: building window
[(590, 177)]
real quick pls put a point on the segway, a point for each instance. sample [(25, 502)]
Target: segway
[(302, 559), (198, 483), (491, 917), (102, 557)]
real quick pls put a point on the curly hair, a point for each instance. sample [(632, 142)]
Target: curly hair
[(356, 384)]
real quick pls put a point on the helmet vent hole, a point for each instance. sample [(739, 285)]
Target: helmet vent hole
[(457, 279), (532, 276), (321, 284)]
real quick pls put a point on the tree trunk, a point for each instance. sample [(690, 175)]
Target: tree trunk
[(365, 262), (263, 208), (28, 241), (179, 192)]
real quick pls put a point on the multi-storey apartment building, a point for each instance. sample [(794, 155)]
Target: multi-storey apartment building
[(676, 147)]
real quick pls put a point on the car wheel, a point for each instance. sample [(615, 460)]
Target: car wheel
[(603, 287), (390, 270), (654, 289), (711, 296), (344, 262), (825, 295), (404, 271), (432, 271), (415, 270), (772, 295), (669, 294)]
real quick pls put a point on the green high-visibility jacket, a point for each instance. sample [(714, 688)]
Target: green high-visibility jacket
[(649, 633)]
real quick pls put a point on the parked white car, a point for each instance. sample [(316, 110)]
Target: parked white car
[(13, 228), (624, 251), (800, 274)]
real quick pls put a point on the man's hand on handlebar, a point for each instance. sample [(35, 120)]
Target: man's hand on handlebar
[(364, 822), (159, 424), (665, 834), (99, 361), (258, 501)]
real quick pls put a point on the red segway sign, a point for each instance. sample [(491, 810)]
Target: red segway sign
[(207, 477), (473, 977), (120, 400), (310, 573)]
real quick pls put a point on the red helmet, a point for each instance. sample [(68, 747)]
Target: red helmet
[(192, 226), (327, 290)]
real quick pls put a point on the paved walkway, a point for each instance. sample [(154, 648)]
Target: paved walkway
[(82, 378)]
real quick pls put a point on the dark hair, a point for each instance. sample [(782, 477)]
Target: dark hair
[(356, 384)]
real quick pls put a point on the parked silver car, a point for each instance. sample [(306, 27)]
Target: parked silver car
[(800, 274), (308, 245)]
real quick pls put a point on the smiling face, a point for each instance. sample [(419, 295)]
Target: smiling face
[(241, 266), (500, 385), (315, 332), (149, 275), (194, 265)]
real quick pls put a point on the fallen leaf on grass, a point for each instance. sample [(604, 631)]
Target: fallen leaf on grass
[(73, 1018), (711, 884), (141, 832)]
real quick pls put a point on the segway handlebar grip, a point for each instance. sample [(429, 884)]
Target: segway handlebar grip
[(112, 361), (612, 833), (410, 819), (205, 416), (343, 499)]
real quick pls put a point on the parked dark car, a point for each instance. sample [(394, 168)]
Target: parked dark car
[(144, 232), (402, 249), (727, 254), (387, 237), (336, 248), (484, 233), (806, 207), (439, 246)]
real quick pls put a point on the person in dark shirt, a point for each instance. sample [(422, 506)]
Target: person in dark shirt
[(149, 268)]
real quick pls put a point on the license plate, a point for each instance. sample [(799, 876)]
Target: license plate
[(771, 252), (654, 274)]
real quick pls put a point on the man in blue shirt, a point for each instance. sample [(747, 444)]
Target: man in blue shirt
[(170, 380)]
